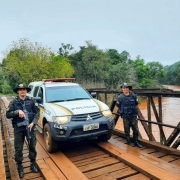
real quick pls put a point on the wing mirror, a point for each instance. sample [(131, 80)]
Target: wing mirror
[(93, 94), (38, 99)]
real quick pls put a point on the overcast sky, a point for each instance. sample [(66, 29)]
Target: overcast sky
[(149, 28)]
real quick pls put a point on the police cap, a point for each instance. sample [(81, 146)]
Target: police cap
[(126, 85), (21, 86)]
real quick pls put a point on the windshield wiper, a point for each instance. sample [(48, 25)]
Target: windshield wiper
[(56, 101), (76, 99)]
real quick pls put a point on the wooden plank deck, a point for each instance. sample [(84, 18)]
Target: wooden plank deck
[(105, 161)]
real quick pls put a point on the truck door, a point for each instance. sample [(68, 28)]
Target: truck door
[(41, 106)]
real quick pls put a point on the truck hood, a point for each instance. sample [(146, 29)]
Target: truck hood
[(77, 107)]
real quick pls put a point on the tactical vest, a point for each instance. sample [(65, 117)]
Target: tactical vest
[(128, 105), (18, 105)]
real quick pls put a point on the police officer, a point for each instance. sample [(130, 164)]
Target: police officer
[(15, 111), (127, 102)]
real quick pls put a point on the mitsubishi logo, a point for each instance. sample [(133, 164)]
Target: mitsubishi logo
[(88, 117)]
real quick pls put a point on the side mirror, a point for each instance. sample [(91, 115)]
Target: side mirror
[(93, 94), (38, 99)]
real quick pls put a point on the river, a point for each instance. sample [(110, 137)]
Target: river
[(170, 115)]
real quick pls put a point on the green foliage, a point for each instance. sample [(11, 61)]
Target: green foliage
[(59, 66), (1, 79), (90, 64), (95, 62), (65, 49), (155, 70), (142, 72), (172, 74), (27, 62), (6, 88)]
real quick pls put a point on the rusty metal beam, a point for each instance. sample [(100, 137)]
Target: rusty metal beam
[(144, 124), (177, 143), (162, 135), (149, 118), (173, 136), (144, 92)]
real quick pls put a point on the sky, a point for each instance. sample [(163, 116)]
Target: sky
[(149, 28)]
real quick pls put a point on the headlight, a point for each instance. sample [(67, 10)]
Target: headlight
[(107, 113), (61, 119)]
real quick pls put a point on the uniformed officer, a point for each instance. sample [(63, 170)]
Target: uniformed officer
[(15, 111), (127, 102)]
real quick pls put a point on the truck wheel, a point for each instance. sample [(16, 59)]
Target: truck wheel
[(50, 144), (105, 137)]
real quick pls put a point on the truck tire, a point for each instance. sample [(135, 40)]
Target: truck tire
[(50, 144), (105, 137)]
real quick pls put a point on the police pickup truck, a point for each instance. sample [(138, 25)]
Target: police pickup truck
[(68, 112)]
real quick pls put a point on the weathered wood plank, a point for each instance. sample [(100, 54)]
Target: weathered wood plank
[(91, 160), (176, 162), (67, 167), (64, 164), (108, 161), (55, 169), (29, 176), (46, 171), (153, 145), (147, 168), (41, 153), (81, 151), (103, 177), (122, 173), (137, 177), (105, 170), (2, 165), (139, 164), (169, 158), (85, 156)]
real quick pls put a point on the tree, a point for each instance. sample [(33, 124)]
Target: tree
[(172, 74), (155, 70), (142, 72), (96, 63), (27, 62), (65, 49)]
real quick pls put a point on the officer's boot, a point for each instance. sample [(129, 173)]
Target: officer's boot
[(136, 143), (33, 167), (128, 141), (20, 169)]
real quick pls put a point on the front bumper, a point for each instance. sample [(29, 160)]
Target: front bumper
[(74, 130)]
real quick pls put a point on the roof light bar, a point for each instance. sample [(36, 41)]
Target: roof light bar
[(58, 80)]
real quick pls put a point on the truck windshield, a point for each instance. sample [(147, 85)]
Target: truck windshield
[(65, 93)]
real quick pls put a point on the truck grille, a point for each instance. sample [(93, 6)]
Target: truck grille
[(86, 117)]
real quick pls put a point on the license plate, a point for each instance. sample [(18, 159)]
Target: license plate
[(90, 127)]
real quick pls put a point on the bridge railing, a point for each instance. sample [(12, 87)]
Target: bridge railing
[(110, 96)]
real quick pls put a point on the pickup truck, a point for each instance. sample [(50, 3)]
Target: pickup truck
[(69, 113)]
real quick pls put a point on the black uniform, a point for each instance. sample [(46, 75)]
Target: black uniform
[(128, 111), (20, 132)]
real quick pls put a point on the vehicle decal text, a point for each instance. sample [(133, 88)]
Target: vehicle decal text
[(83, 107)]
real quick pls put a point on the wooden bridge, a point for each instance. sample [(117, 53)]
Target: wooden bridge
[(97, 160)]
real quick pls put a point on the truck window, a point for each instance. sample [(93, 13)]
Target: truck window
[(65, 93), (35, 91), (31, 86), (40, 94)]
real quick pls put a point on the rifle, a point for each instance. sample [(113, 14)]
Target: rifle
[(26, 123)]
